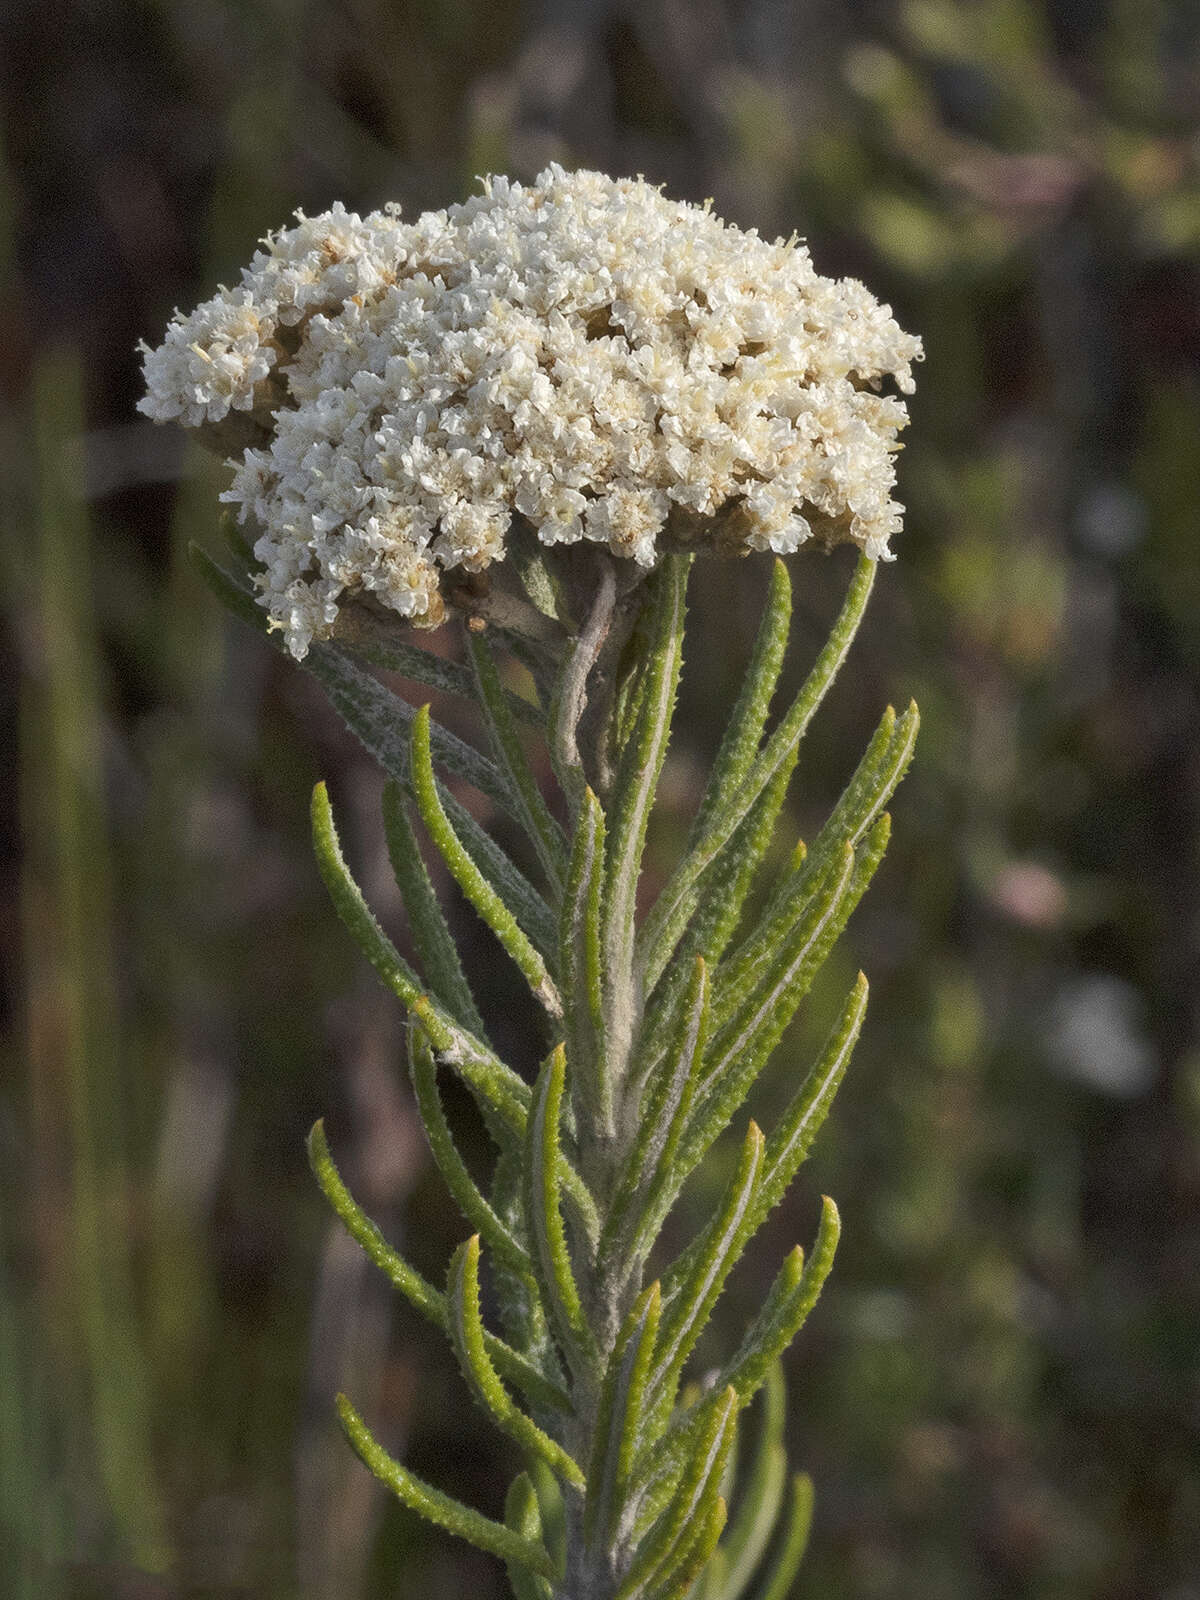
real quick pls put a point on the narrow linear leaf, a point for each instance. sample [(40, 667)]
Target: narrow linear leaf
[(467, 1336), (662, 1118), (551, 1258), (619, 1417), (785, 1310), (862, 801), (526, 906), (681, 1580), (750, 1531), (381, 722), (581, 963), (698, 1491), (438, 1508), (673, 909), (788, 1303), (418, 1291), (791, 1141), (800, 941), (431, 934), (469, 878), (741, 1048), (633, 793), (500, 1087), (233, 595), (725, 886), (499, 1091), (471, 1202), (744, 730), (543, 830), (738, 1052), (778, 1584), (522, 1513), (724, 1240), (435, 672)]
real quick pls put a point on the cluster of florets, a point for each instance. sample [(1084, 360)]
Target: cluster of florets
[(582, 353)]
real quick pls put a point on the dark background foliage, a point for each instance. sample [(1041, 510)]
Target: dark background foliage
[(1000, 1393)]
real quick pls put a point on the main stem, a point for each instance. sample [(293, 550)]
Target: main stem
[(583, 741)]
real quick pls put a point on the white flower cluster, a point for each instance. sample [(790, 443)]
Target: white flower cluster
[(606, 363)]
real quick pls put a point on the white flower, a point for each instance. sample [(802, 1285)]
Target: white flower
[(610, 365)]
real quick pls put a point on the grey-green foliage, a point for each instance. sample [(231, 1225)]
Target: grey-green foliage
[(654, 1035)]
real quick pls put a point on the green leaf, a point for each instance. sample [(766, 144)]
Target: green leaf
[(431, 935), (726, 885), (740, 1048), (551, 1259), (723, 1241), (785, 1310), (581, 966), (674, 908), (806, 1111), (744, 730), (420, 1293), (437, 1507), (486, 1075), (680, 1580), (543, 830), (671, 1537), (633, 793), (646, 1176), (467, 1336), (468, 876), (232, 594), (868, 791), (788, 1303), (435, 672), (778, 1585), (762, 1497), (381, 721), (619, 1418), (522, 1513), (471, 1202)]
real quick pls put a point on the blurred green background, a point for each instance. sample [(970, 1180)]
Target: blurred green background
[(1000, 1392)]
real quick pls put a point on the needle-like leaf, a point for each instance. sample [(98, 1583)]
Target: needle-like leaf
[(471, 1202), (523, 1514), (418, 1291), (436, 1507), (637, 779), (778, 1583), (581, 967), (471, 880), (542, 829), (619, 1417), (430, 933), (470, 1345), (551, 1259), (665, 924)]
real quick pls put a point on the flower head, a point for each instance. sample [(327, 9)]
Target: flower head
[(582, 353)]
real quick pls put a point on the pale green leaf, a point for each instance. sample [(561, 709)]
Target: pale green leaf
[(619, 1417), (431, 935), (438, 1508), (467, 1336), (542, 829), (470, 879), (673, 910), (418, 1291), (779, 1581), (548, 1239)]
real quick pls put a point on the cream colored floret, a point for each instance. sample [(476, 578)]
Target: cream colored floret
[(610, 365)]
